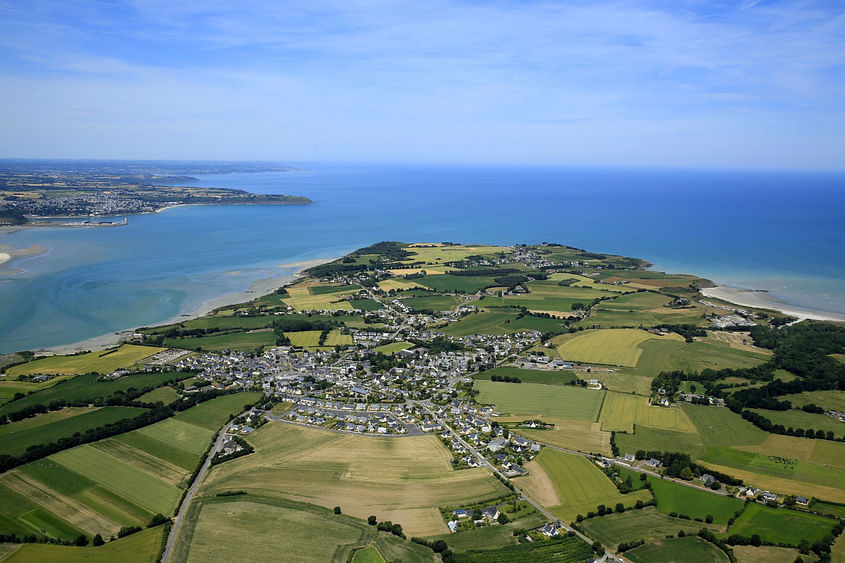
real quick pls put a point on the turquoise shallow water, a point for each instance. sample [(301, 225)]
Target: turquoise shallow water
[(781, 232)]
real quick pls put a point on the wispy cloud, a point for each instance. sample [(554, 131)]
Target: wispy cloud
[(757, 84)]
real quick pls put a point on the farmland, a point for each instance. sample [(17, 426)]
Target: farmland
[(645, 438), (691, 357), (695, 503), (214, 413), (305, 338), (828, 400), (141, 547), (501, 321), (799, 419), (581, 435), (92, 362), (678, 550), (432, 303), (546, 400), (546, 377), (780, 525), (619, 347), (241, 341), (164, 394), (621, 412), (569, 484), (302, 298), (412, 478), (394, 347), (647, 524)]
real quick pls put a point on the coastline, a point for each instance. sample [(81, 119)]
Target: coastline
[(762, 300), (256, 289)]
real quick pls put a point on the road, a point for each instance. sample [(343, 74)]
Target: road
[(183, 510)]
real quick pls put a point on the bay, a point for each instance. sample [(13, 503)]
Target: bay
[(777, 231)]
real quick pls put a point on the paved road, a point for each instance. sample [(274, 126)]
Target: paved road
[(177, 523)]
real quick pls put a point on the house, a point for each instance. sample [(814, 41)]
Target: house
[(461, 513), (630, 458), (453, 525), (490, 513), (802, 501), (769, 497), (496, 444), (708, 479), (550, 529), (655, 463)]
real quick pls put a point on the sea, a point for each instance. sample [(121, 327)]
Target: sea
[(779, 231)]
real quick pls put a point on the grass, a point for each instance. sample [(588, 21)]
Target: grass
[(433, 303), (828, 400), (50, 427), (546, 377), (216, 322), (580, 435), (394, 347), (337, 338), (330, 289), (693, 357), (240, 341), (21, 516), (646, 524), (768, 554), (678, 550), (780, 525), (368, 554), (645, 438), (396, 549), (621, 381), (87, 388), (799, 419), (403, 480), (620, 347), (695, 503), (164, 394), (832, 508), (212, 414), (305, 338), (366, 304), (546, 296), (99, 362), (570, 484), (449, 283), (8, 389), (141, 547), (530, 399), (302, 299), (490, 537), (501, 321), (722, 427), (621, 412)]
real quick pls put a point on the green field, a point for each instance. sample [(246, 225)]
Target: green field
[(164, 394), (579, 486), (240, 341), (501, 321), (46, 428), (723, 427), (394, 347), (563, 401), (646, 524), (221, 323), (695, 503), (304, 338), (337, 338), (621, 347), (828, 400), (780, 525), (546, 377), (693, 357), (490, 537), (87, 388), (678, 550), (184, 435), (463, 284), (329, 289), (432, 303), (833, 508), (562, 549), (214, 413), (366, 304), (808, 421), (8, 388), (141, 547), (621, 412), (547, 296), (645, 438), (368, 555), (646, 309), (92, 362)]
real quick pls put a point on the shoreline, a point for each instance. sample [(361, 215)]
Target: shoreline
[(760, 299), (257, 289)]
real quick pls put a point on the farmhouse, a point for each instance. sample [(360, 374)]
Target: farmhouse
[(550, 529), (490, 513)]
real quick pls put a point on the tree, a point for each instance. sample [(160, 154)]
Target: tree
[(439, 546), (81, 540), (98, 540), (157, 520), (620, 507), (372, 520), (756, 541), (337, 510), (686, 474), (681, 533), (503, 518)]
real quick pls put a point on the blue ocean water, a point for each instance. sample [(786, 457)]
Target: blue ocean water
[(778, 231)]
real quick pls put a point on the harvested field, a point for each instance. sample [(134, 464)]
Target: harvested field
[(100, 362), (621, 412), (581, 435)]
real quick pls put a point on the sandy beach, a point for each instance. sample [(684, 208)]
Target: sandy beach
[(257, 289), (763, 300)]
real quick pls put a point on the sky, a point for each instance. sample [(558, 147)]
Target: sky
[(704, 84)]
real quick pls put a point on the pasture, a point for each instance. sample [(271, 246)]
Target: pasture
[(828, 400), (645, 438), (410, 480), (619, 347), (439, 255), (8, 389), (693, 357), (622, 381), (546, 296), (642, 309), (570, 484), (799, 419), (781, 525), (583, 436), (212, 414), (695, 503), (140, 547), (500, 321), (546, 377), (92, 362), (164, 394), (239, 341), (222, 323), (301, 298), (678, 550), (447, 283), (530, 399), (337, 338), (366, 304), (621, 412), (394, 347), (431, 303), (397, 284), (719, 426), (16, 437), (647, 524), (766, 554), (490, 537), (304, 338)]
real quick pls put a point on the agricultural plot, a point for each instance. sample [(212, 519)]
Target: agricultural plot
[(240, 341), (589, 283), (222, 323), (332, 289), (165, 395), (50, 427), (647, 524), (767, 554), (432, 303), (723, 427), (462, 284), (410, 480), (394, 347), (337, 338), (304, 338), (8, 389), (439, 255), (87, 388), (547, 377), (621, 347), (645, 438), (537, 400), (642, 309), (366, 304), (621, 412), (828, 400), (93, 362), (621, 381), (583, 436), (829, 508), (569, 484), (547, 297), (301, 298), (141, 547), (799, 419), (678, 550), (693, 357), (780, 525), (500, 321), (394, 284), (212, 414), (186, 436), (490, 537), (695, 503)]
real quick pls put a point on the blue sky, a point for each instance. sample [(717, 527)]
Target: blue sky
[(691, 84)]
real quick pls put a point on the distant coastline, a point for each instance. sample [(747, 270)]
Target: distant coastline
[(761, 299)]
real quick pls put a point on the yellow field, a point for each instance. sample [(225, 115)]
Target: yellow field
[(621, 412), (300, 298), (584, 281), (141, 547), (804, 449), (101, 362), (304, 338), (431, 270), (618, 347), (784, 486), (442, 254), (580, 435), (404, 480), (336, 338), (766, 554), (397, 285)]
